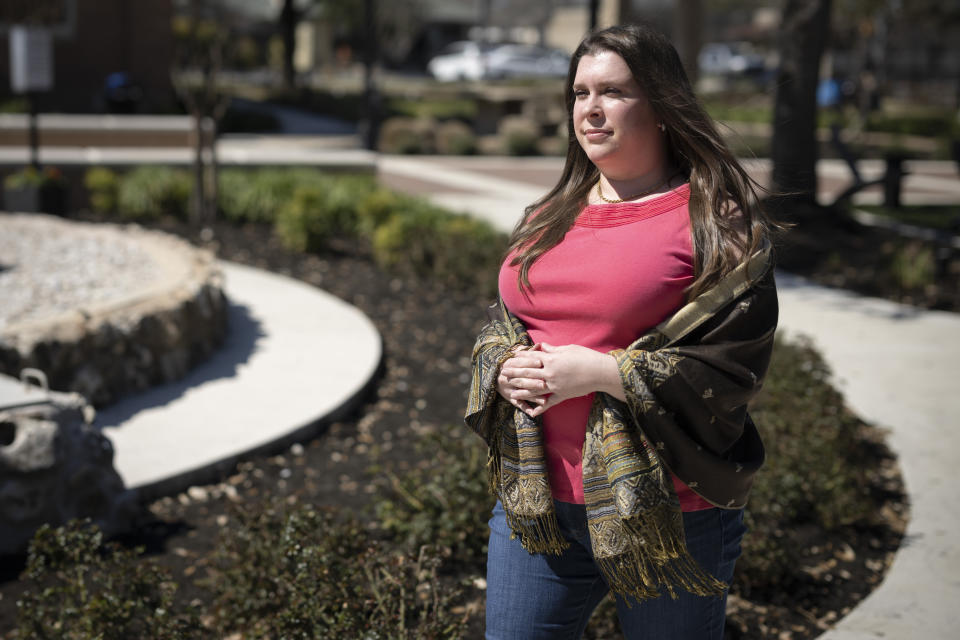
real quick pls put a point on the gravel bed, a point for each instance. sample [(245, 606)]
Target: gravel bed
[(49, 266)]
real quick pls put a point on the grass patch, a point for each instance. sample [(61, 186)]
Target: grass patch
[(940, 217)]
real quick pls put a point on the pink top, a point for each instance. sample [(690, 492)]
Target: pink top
[(619, 271)]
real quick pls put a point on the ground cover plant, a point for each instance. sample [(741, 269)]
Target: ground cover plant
[(942, 217), (830, 247), (386, 510)]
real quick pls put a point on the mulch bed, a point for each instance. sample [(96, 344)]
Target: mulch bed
[(829, 247), (428, 333)]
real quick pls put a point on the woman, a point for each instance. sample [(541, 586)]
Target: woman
[(636, 320)]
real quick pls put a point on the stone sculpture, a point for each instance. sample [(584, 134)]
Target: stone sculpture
[(55, 466)]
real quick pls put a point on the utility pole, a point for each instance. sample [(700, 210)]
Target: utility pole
[(371, 54)]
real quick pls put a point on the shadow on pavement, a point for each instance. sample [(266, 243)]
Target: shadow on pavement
[(243, 334)]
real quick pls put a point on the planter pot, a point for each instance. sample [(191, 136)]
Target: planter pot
[(43, 199)]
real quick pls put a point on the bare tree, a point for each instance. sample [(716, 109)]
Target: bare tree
[(803, 37), (199, 59)]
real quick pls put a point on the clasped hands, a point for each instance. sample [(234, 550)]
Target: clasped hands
[(542, 376)]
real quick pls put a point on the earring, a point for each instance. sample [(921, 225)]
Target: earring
[(662, 127)]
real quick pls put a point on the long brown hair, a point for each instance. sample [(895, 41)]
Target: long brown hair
[(718, 184)]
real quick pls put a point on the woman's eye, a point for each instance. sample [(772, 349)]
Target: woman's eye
[(612, 90), (579, 93)]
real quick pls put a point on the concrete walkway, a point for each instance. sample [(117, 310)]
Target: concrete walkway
[(295, 358), (898, 367)]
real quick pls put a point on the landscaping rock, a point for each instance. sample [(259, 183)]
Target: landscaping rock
[(54, 467)]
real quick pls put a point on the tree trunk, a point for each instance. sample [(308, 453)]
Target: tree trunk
[(803, 37), (211, 190), (688, 34), (288, 29), (198, 199)]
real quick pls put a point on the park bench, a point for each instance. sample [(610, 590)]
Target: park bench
[(891, 180)]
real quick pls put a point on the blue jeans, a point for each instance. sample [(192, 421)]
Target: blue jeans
[(534, 596)]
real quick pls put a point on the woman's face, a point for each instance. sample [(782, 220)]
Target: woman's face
[(613, 120)]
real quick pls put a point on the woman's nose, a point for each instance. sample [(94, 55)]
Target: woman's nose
[(592, 107)]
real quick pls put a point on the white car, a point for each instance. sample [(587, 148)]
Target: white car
[(463, 60), (466, 60)]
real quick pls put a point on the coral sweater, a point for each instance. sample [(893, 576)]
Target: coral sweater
[(618, 272)]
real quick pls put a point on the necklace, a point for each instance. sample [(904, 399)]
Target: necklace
[(635, 196)]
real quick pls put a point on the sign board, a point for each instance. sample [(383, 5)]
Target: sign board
[(31, 59)]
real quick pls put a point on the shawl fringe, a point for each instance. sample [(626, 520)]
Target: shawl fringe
[(538, 533), (656, 559)]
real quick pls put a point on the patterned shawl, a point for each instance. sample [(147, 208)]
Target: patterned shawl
[(687, 383)]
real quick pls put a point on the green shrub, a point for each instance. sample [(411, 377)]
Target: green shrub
[(442, 109), (404, 241), (431, 242), (296, 572), (103, 185), (468, 254), (456, 138), (257, 196), (913, 266), (149, 192), (14, 105), (443, 501), (520, 135), (302, 223), (814, 475), (30, 177), (932, 123), (376, 207), (322, 210), (80, 588), (408, 135)]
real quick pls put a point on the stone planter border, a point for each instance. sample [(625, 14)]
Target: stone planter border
[(153, 336)]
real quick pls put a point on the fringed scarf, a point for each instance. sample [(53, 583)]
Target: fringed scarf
[(687, 383)]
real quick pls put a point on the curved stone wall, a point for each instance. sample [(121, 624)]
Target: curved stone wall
[(102, 309)]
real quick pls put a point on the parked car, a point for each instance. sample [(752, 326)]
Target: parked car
[(517, 60), (730, 58), (466, 60), (462, 60)]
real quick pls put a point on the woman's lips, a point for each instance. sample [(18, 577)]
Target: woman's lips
[(596, 135)]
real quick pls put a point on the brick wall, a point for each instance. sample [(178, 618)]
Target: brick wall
[(108, 35)]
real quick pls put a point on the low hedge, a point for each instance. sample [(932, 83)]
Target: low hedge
[(281, 571), (406, 135), (258, 195), (103, 187), (309, 210), (932, 123), (152, 191), (83, 588), (430, 242), (302, 573), (320, 210)]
